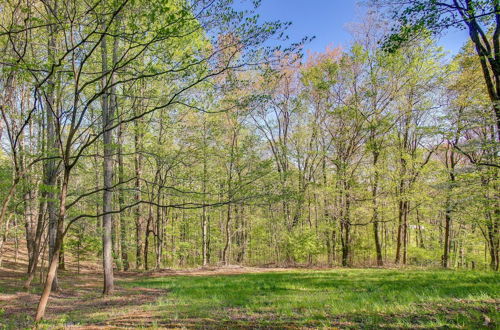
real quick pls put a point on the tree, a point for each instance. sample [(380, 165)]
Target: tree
[(480, 17)]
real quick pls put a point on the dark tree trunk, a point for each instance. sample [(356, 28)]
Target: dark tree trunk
[(375, 217)]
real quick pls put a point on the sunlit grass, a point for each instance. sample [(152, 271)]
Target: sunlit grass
[(369, 297), (344, 298)]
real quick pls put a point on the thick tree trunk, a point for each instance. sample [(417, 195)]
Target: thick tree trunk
[(489, 58)]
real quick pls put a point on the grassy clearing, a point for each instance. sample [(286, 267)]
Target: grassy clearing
[(368, 297), (345, 298)]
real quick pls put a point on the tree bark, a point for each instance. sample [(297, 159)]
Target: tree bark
[(204, 218), (107, 218), (121, 202), (378, 247), (52, 146), (138, 194), (54, 261)]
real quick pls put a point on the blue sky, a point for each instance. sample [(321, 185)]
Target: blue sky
[(327, 20)]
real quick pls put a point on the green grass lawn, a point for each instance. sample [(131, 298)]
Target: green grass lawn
[(344, 298)]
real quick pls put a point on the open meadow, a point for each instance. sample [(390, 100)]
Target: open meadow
[(239, 297)]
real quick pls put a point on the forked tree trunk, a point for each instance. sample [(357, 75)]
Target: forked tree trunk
[(54, 261), (37, 243)]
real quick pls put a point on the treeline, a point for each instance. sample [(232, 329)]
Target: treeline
[(167, 134)]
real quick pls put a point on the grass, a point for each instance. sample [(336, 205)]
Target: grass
[(367, 298), (345, 298)]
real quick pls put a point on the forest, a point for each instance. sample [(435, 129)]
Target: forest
[(169, 152)]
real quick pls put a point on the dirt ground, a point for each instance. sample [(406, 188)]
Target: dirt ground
[(82, 293)]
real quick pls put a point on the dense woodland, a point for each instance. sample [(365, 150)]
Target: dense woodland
[(186, 133)]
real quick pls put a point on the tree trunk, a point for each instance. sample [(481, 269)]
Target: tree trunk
[(159, 231), (405, 231), (146, 238), (227, 228), (400, 234), (138, 195), (51, 165), (450, 163), (204, 219), (447, 227), (378, 247), (54, 261), (37, 242), (121, 202), (227, 232), (107, 218)]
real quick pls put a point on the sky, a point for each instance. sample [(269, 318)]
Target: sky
[(327, 20)]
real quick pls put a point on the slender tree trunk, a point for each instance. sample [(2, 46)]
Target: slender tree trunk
[(54, 260), (447, 229), (204, 219), (421, 243), (331, 232), (138, 195), (37, 243), (107, 199), (159, 231), (401, 215), (375, 218), (227, 228), (52, 146), (493, 239), (146, 238), (346, 226), (204, 234), (405, 231), (227, 234), (121, 202)]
